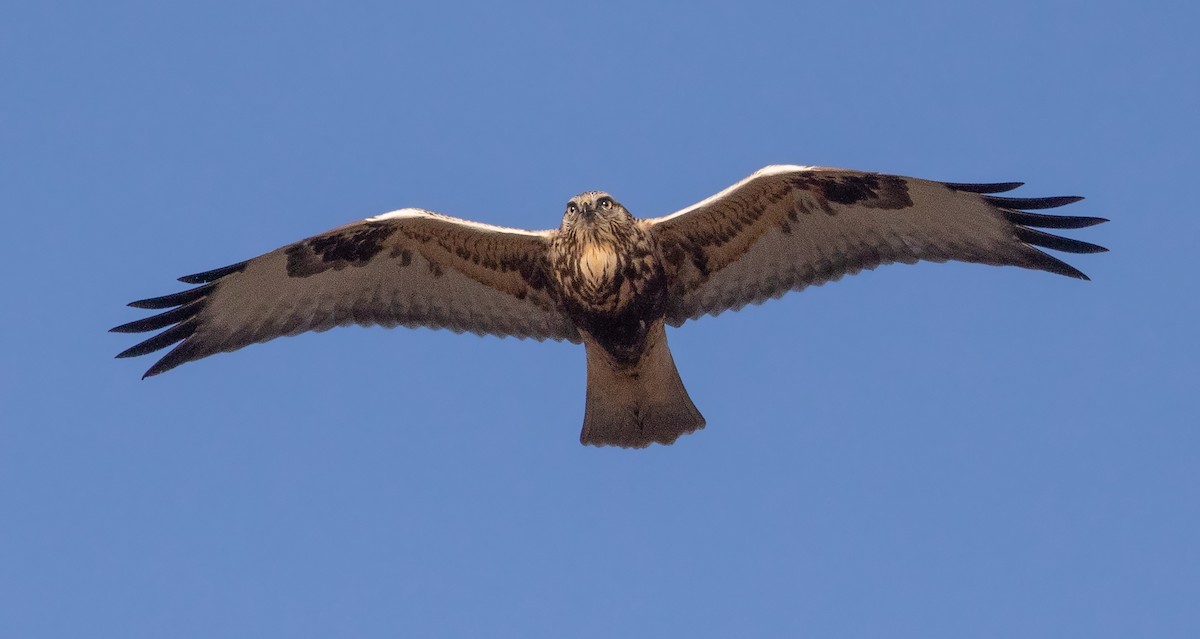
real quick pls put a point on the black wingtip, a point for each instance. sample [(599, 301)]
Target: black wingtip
[(1056, 242), (1043, 221), (180, 320), (162, 320), (1031, 203), (157, 369), (174, 299), (183, 352), (213, 275), (993, 187), (1046, 262), (1016, 210), (176, 333)]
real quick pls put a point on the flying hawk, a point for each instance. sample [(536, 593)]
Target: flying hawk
[(606, 278)]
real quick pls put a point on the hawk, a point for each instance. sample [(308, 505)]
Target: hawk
[(606, 279)]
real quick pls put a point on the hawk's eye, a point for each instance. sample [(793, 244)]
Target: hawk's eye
[(571, 208), (606, 203)]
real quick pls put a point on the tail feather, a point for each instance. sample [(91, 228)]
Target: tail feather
[(635, 406)]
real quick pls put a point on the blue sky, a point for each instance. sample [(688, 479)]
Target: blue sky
[(932, 450)]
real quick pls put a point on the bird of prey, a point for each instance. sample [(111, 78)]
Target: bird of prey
[(606, 278)]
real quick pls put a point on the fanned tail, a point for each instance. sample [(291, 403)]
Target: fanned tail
[(635, 406)]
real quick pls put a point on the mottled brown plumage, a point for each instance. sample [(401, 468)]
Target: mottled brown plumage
[(612, 286), (606, 278)]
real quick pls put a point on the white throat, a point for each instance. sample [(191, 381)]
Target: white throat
[(598, 262)]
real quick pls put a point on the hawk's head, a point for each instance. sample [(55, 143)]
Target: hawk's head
[(595, 213)]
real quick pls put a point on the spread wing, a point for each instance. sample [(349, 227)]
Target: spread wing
[(788, 227), (409, 268)]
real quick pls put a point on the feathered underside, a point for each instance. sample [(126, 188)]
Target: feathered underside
[(788, 227), (406, 268), (782, 229)]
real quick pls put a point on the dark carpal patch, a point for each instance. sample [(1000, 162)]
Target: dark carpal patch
[(869, 190), (352, 247)]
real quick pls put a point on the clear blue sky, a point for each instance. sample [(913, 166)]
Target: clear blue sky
[(926, 451)]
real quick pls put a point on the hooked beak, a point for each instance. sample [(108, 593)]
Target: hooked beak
[(588, 207)]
